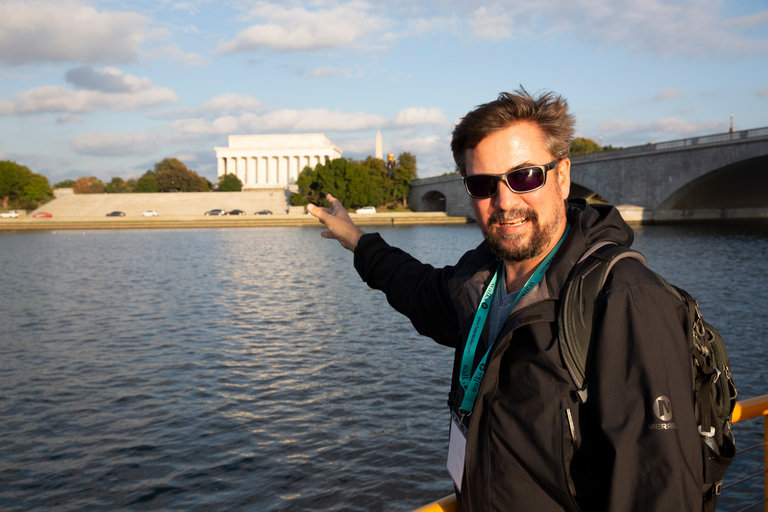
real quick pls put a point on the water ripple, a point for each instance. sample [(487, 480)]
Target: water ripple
[(249, 369)]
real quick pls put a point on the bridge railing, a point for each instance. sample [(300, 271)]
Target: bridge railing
[(674, 144)]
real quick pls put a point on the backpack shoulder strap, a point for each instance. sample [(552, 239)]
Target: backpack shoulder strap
[(577, 307)]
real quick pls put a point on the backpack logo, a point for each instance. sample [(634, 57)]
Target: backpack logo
[(662, 408)]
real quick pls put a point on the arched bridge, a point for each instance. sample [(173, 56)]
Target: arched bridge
[(724, 172)]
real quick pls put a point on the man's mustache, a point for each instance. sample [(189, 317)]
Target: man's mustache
[(498, 218)]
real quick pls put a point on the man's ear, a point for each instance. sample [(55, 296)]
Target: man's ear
[(563, 176)]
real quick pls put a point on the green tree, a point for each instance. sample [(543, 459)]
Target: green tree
[(147, 183), (117, 186), (90, 185), (37, 191), (21, 188), (402, 176), (582, 145), (173, 176), (353, 183), (230, 183), (65, 184)]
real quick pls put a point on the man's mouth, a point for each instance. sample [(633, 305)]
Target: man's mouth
[(513, 218), (513, 222)]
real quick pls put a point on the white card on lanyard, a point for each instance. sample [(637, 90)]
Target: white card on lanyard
[(456, 448)]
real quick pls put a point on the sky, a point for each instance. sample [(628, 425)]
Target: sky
[(108, 88)]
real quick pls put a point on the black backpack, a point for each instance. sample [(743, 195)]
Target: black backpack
[(714, 389)]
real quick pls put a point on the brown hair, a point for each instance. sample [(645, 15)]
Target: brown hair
[(548, 110)]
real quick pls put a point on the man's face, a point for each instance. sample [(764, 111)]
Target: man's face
[(520, 227)]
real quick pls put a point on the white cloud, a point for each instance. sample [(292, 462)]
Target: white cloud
[(658, 28), (417, 27), (670, 128), (309, 120), (231, 102), (113, 143), (69, 30), (433, 144), (692, 28), (415, 116), (763, 93), (325, 72), (300, 29), (105, 89), (108, 79), (6, 107), (174, 53), (491, 24), (667, 94), (68, 118)]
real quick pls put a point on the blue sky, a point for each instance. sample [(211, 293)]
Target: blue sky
[(108, 88)]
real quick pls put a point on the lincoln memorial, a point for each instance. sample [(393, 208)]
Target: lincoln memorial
[(273, 161)]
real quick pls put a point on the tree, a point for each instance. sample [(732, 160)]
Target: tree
[(173, 176), (90, 185), (402, 176), (353, 183), (21, 188), (230, 183), (582, 145), (147, 183), (65, 184), (37, 191), (118, 186)]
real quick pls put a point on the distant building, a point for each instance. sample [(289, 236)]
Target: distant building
[(273, 161), (379, 150)]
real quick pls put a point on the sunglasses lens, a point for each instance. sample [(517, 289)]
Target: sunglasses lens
[(482, 185), (525, 180)]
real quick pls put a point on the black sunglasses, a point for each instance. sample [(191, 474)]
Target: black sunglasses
[(519, 181)]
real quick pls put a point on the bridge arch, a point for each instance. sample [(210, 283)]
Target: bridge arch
[(742, 184), (672, 175), (582, 192), (433, 201)]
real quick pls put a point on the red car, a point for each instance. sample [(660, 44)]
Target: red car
[(39, 215)]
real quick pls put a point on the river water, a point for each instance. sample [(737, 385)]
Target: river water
[(250, 369)]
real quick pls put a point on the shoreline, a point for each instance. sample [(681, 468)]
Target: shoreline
[(172, 222), (634, 216)]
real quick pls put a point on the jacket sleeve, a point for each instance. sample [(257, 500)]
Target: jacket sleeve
[(642, 399), (417, 290)]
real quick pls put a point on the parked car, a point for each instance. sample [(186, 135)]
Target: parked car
[(149, 213), (9, 215), (42, 215), (116, 214), (215, 212), (264, 212), (236, 212), (366, 210)]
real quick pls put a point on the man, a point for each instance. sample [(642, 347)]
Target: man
[(520, 439)]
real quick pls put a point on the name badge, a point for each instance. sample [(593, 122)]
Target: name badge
[(456, 448)]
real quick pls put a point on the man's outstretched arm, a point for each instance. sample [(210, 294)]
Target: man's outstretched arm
[(336, 220)]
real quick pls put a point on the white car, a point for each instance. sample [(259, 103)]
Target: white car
[(149, 213), (366, 210), (9, 215)]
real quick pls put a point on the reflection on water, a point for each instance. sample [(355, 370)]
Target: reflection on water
[(249, 369)]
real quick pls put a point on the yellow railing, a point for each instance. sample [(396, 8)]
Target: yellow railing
[(745, 410)]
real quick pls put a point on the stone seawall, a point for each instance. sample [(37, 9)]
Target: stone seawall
[(29, 223), (186, 204)]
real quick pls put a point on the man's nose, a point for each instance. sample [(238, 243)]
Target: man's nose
[(505, 199)]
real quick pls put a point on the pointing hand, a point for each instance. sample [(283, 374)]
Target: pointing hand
[(336, 220)]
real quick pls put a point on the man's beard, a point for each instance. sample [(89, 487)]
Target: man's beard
[(513, 247)]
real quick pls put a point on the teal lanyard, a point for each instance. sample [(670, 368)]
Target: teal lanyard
[(472, 386)]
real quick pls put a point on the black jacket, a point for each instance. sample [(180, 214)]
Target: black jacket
[(531, 445)]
